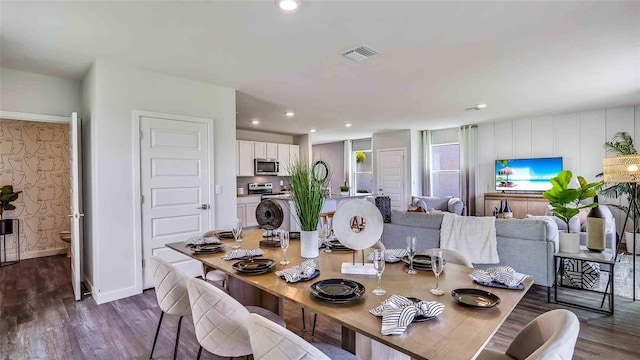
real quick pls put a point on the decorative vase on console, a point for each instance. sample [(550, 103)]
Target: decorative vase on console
[(307, 195), (566, 203), (507, 213)]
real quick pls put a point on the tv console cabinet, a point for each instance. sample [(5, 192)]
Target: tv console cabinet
[(521, 204)]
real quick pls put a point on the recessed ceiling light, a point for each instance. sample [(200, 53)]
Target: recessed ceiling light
[(347, 124), (288, 5), (481, 106), (255, 121), (312, 130), (477, 107), (290, 114)]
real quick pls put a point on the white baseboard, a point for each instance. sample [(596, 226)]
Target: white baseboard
[(42, 253)]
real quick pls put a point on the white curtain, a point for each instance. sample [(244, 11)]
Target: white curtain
[(468, 166), (426, 176)]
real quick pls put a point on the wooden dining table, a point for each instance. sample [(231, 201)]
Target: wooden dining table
[(460, 332)]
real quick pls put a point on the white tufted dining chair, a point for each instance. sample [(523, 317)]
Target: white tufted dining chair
[(550, 336), (272, 342), (215, 276), (220, 320), (452, 257), (172, 295)]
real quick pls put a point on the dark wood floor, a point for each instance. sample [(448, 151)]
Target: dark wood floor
[(39, 319)]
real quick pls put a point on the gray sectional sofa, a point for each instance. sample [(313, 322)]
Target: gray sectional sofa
[(527, 245)]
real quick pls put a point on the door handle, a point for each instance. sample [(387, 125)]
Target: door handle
[(75, 215), (204, 207)]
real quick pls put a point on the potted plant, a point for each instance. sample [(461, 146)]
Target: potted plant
[(622, 144), (360, 157), (7, 196), (566, 203), (344, 190), (363, 191), (307, 195)]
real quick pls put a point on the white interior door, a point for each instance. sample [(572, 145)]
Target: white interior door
[(391, 176), (76, 215), (176, 160)]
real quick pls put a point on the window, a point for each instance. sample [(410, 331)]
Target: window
[(363, 171), (444, 163)]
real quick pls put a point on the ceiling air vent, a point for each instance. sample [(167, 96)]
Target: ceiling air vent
[(360, 53)]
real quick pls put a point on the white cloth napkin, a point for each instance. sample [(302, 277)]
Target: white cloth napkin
[(501, 274), (199, 240), (242, 254), (298, 272), (398, 312), (391, 255)]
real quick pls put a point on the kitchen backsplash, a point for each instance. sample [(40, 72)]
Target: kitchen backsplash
[(243, 182)]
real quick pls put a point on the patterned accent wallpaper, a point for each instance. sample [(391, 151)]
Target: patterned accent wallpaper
[(34, 158)]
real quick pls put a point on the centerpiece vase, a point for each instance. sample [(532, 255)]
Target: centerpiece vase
[(309, 244)]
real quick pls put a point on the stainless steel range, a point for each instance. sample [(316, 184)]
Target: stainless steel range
[(266, 190)]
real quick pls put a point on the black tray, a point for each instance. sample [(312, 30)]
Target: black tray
[(475, 298)]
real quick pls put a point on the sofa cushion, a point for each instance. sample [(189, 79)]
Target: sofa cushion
[(455, 206), (416, 219)]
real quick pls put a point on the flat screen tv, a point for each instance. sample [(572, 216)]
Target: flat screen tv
[(526, 175)]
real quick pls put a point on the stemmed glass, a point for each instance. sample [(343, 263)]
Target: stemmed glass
[(237, 233), (327, 236), (411, 252), (437, 265), (284, 244), (378, 264)]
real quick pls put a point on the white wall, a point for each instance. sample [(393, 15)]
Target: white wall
[(38, 94), (578, 137), (264, 137), (118, 91), (333, 155)]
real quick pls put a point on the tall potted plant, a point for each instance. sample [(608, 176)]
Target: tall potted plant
[(7, 196), (566, 203), (622, 144), (307, 194)]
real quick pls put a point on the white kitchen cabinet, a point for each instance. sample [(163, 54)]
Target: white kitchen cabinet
[(272, 151), (244, 158), (247, 210), (287, 154), (260, 150)]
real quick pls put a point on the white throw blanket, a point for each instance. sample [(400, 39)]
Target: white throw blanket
[(473, 237)]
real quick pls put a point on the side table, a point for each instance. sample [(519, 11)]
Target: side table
[(607, 257), (3, 245)]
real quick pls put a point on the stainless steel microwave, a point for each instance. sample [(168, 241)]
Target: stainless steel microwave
[(266, 167)]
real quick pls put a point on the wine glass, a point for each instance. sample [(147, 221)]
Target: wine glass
[(437, 265), (237, 233), (327, 236), (378, 264), (411, 252), (284, 244)]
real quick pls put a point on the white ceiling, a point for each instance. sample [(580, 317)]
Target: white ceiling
[(438, 58)]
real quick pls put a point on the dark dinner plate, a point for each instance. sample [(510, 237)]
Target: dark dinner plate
[(496, 284), (420, 318), (254, 266), (208, 248), (225, 235), (307, 278), (475, 298), (337, 245), (420, 262), (337, 290)]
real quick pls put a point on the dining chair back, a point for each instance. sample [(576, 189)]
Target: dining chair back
[(550, 336), (171, 292), (452, 257), (269, 341), (219, 320)]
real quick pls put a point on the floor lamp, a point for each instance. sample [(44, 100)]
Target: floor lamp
[(626, 169)]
